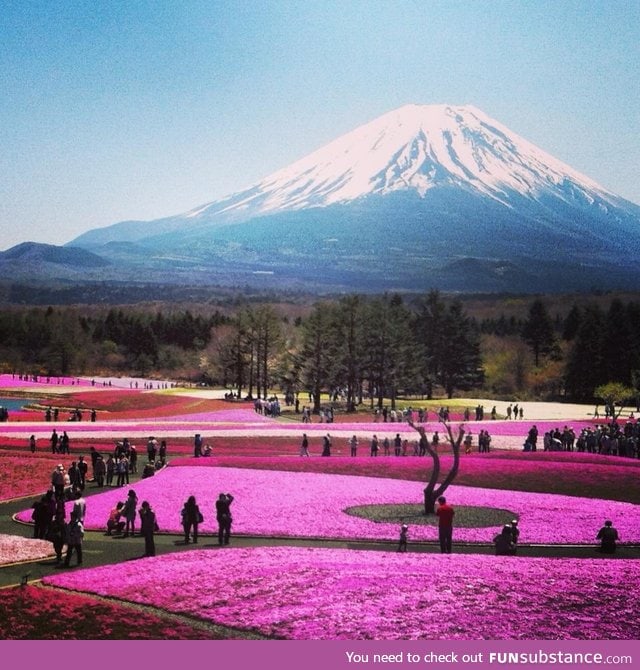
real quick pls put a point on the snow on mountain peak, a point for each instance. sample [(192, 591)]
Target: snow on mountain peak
[(414, 147)]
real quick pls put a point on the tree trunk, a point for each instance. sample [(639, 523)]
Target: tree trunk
[(433, 491)]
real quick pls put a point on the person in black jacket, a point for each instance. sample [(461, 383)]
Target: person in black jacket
[(608, 537), (223, 516), (148, 526), (191, 517)]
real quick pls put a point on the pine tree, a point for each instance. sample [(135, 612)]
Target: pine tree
[(538, 331)]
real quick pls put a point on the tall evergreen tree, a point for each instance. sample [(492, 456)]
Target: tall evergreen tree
[(387, 342), (450, 345), (585, 367), (538, 331), (350, 347), (318, 351)]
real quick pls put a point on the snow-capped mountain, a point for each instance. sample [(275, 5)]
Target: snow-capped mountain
[(416, 147), (398, 203)]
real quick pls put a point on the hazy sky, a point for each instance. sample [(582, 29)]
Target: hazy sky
[(113, 110)]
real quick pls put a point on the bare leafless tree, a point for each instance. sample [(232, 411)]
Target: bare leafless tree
[(433, 490)]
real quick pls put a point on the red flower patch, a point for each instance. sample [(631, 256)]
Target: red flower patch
[(36, 613)]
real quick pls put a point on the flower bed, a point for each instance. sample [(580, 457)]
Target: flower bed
[(590, 475), (12, 382), (296, 504), (14, 549), (302, 593), (35, 613), (124, 404), (25, 474), (587, 475)]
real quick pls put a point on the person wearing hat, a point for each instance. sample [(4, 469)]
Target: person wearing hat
[(608, 537), (402, 544), (515, 531)]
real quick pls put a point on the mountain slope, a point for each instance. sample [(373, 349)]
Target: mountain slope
[(421, 187)]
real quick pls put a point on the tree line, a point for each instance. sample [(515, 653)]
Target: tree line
[(355, 347), (63, 341)]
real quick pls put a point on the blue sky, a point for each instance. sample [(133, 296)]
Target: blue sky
[(121, 110)]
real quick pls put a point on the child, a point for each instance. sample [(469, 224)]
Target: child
[(402, 545)]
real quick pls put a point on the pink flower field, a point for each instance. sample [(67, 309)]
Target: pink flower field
[(303, 593), (300, 504), (14, 549)]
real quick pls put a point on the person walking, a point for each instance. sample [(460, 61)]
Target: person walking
[(223, 517), (56, 535), (99, 471), (54, 441), (353, 444), (64, 443), (148, 526), (74, 536), (326, 445), (445, 514), (304, 447), (162, 452), (191, 518), (79, 507), (57, 481), (83, 468)]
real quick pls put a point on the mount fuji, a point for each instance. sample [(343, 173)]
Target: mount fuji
[(423, 196)]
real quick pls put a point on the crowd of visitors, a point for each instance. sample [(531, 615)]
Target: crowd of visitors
[(608, 440), (397, 445)]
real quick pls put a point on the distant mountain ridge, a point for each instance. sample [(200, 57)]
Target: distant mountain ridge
[(29, 252), (423, 196)]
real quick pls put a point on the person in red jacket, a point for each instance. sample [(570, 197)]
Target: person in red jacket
[(445, 513)]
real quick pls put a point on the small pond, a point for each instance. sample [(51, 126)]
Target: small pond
[(13, 404)]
